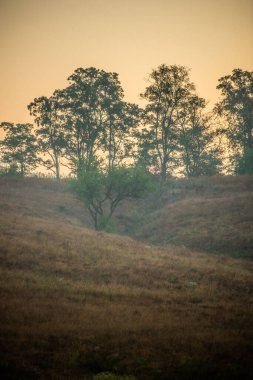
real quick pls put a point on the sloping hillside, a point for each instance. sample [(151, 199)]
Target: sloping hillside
[(41, 198), (75, 302), (213, 214)]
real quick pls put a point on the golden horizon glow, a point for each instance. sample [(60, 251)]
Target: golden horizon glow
[(43, 42)]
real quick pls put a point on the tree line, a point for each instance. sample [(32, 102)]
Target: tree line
[(88, 123)]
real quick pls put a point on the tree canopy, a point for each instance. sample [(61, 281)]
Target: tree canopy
[(89, 122), (236, 106), (49, 131), (102, 192), (19, 148)]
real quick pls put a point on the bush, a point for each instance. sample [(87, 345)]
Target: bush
[(102, 192)]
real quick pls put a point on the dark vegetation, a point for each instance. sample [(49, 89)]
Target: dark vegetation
[(76, 303), (88, 123), (104, 192)]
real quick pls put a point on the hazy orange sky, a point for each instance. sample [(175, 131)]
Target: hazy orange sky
[(44, 41)]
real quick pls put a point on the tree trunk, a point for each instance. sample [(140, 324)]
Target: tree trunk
[(22, 170), (163, 173), (57, 168)]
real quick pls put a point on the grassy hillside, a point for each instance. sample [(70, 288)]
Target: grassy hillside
[(213, 214), (75, 302)]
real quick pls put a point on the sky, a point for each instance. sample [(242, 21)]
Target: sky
[(43, 42)]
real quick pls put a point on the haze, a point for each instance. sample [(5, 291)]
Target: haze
[(42, 43)]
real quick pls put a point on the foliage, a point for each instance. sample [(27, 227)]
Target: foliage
[(89, 122), (244, 164), (10, 170), (236, 106), (198, 141), (102, 192), (96, 118), (117, 142), (85, 101), (168, 90), (19, 148), (146, 155), (49, 132)]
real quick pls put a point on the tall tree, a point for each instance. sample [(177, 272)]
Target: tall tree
[(198, 139), (49, 132), (146, 154), (19, 148), (169, 87), (91, 104), (117, 136), (236, 106)]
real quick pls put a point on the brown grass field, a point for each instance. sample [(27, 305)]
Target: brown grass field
[(213, 214), (75, 302)]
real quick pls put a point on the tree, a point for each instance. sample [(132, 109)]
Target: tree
[(236, 106), (117, 136), (244, 164), (169, 88), (95, 116), (198, 140), (145, 154), (19, 148), (102, 192), (49, 132)]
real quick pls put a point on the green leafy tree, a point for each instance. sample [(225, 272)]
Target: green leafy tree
[(96, 117), (236, 107), (199, 146), (117, 141), (102, 192), (19, 148), (145, 154), (169, 87), (50, 131)]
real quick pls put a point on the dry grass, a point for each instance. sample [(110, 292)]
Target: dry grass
[(75, 302), (212, 214)]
